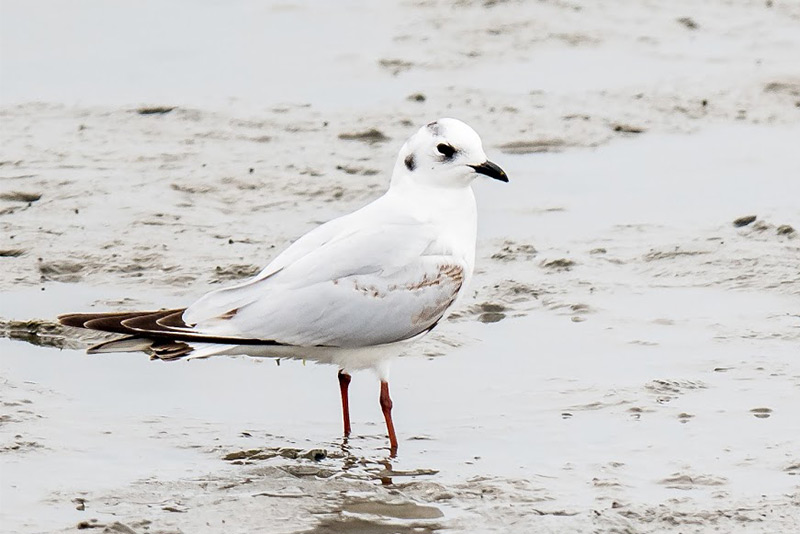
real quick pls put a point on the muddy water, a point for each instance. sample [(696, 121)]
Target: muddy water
[(625, 363), (556, 416)]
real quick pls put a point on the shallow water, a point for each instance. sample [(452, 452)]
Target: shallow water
[(184, 52), (642, 372), (635, 377), (585, 413), (679, 182)]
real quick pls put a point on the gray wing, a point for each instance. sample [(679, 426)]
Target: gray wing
[(378, 284)]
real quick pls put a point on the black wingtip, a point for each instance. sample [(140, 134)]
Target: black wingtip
[(164, 325), (76, 320)]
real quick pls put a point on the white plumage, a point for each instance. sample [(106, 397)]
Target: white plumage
[(350, 290)]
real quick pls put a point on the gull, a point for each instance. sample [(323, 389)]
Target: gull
[(352, 292)]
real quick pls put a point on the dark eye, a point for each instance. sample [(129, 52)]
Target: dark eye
[(446, 150)]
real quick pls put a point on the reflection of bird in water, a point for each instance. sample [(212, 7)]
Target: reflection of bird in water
[(350, 292)]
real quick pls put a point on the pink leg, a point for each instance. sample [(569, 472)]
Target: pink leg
[(344, 382), (386, 406)]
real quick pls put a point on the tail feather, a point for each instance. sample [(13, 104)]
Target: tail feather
[(157, 349), (148, 322), (79, 320), (173, 320), (112, 323), (162, 334), (124, 344), (169, 350)]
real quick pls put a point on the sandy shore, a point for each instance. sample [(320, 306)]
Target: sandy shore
[(627, 361)]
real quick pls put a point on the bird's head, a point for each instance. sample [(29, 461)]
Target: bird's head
[(444, 153)]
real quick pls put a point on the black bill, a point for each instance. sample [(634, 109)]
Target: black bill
[(491, 170)]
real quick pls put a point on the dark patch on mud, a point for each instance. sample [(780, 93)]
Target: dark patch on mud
[(111, 528), (20, 196), (534, 146), (367, 136), (489, 312), (21, 446), (793, 469), (578, 312), (514, 251), (688, 23), (560, 264), (193, 188), (509, 298), (302, 471), (257, 139), (155, 110), (491, 317), (761, 413), (129, 266), (351, 169), (687, 481), (744, 221), (396, 66), (791, 88), (402, 510), (43, 333), (513, 291), (322, 463), (674, 386), (354, 525), (673, 515), (235, 272), (655, 255), (684, 417), (387, 471), (249, 455), (39, 333), (627, 128), (489, 307), (11, 253), (62, 271), (667, 390)]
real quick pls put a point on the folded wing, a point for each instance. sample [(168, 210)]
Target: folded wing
[(348, 283), (378, 284)]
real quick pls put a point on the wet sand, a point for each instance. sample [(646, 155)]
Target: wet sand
[(626, 362)]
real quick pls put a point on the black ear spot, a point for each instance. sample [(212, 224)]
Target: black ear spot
[(446, 150), (410, 163)]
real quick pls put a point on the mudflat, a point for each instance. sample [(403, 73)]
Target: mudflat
[(627, 360)]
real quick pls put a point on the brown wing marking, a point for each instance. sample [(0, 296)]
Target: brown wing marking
[(433, 313)]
